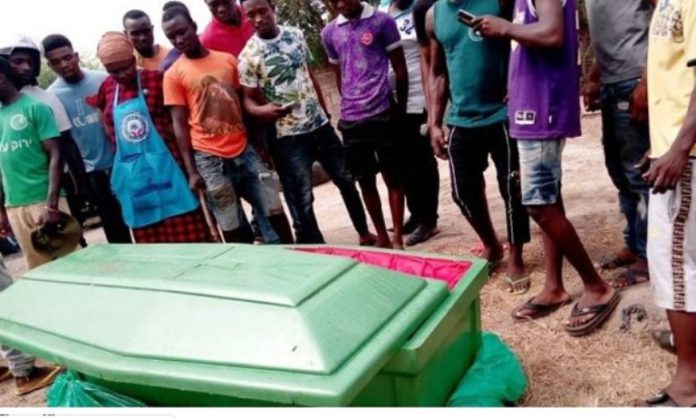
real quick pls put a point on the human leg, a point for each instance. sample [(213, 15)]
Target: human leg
[(671, 254), (360, 142), (294, 158), (108, 207), (331, 156), (221, 197), (541, 171), (257, 185), (468, 159), (507, 163)]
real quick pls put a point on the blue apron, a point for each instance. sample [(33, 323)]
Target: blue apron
[(146, 179)]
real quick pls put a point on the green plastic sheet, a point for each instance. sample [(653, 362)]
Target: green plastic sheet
[(70, 391), (495, 379)]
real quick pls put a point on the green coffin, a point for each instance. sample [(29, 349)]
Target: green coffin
[(229, 325)]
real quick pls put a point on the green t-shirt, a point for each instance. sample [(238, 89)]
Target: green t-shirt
[(24, 125)]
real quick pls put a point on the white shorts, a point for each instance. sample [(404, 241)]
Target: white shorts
[(672, 245)]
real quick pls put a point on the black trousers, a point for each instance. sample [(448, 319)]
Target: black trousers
[(116, 231), (468, 151), (420, 175)]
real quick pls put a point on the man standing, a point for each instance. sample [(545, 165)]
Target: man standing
[(421, 179), (672, 211), (138, 27), (201, 89), (617, 85), (478, 127), (292, 99), (74, 88), (229, 30), (30, 164), (361, 42), (24, 57), (544, 110)]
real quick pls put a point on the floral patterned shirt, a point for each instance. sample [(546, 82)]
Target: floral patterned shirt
[(279, 67)]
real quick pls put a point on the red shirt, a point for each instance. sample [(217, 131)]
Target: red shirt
[(222, 37)]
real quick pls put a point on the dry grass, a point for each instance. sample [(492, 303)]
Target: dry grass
[(608, 368)]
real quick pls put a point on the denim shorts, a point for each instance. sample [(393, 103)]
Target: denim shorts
[(540, 170)]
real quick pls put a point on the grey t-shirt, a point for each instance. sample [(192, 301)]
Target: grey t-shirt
[(619, 30)]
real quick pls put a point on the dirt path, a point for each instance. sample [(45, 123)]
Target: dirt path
[(609, 368)]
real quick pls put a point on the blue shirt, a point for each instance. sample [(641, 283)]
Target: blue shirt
[(87, 130)]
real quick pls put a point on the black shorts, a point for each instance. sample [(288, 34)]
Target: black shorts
[(371, 147)]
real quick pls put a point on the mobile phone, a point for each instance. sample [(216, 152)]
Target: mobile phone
[(466, 17), (691, 63), (290, 105)]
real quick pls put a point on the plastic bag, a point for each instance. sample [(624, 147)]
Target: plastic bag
[(495, 379), (70, 391)]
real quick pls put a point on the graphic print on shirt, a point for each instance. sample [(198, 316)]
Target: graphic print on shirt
[(668, 22), (280, 69), (85, 117), (220, 112)]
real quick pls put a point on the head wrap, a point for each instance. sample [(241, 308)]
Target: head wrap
[(114, 47)]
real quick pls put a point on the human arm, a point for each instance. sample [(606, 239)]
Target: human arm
[(547, 32), (51, 147), (255, 105), (320, 93), (590, 92), (398, 63), (665, 172), (180, 117), (439, 85)]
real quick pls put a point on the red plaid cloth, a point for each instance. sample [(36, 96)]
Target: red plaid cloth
[(189, 227)]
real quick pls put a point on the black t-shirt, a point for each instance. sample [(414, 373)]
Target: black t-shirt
[(420, 10)]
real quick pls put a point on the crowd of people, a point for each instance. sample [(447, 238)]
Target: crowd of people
[(167, 142)]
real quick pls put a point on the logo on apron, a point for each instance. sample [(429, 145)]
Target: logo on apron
[(135, 128)]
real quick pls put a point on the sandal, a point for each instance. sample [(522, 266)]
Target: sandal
[(662, 399), (602, 313), (665, 339), (623, 258), (518, 285), (539, 310), (630, 277)]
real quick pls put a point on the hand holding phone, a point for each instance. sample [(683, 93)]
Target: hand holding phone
[(289, 106), (466, 18)]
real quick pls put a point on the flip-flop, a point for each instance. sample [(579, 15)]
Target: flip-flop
[(602, 312), (664, 339), (632, 276), (540, 309), (662, 399), (518, 285)]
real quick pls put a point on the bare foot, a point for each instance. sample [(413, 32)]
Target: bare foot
[(515, 263)]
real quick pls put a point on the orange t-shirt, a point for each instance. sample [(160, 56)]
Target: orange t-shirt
[(207, 87)]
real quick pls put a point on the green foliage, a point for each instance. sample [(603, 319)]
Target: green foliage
[(47, 76), (307, 16)]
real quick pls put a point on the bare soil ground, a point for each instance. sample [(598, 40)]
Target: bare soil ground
[(608, 368)]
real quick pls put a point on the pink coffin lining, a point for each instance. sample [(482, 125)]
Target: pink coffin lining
[(448, 271)]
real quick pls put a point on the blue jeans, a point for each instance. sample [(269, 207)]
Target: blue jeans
[(624, 145), (541, 170), (245, 176), (294, 156)]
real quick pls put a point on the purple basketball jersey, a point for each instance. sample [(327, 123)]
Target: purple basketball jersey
[(544, 84)]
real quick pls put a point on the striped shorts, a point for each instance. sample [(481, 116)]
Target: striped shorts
[(672, 245)]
